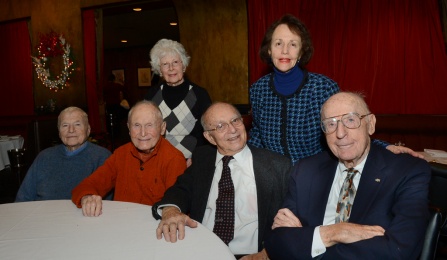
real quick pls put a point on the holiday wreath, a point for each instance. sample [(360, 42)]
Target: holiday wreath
[(53, 45)]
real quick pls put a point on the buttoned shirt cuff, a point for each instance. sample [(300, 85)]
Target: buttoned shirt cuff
[(318, 247), (160, 208)]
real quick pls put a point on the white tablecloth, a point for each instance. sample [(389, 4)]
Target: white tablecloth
[(8, 143), (58, 230)]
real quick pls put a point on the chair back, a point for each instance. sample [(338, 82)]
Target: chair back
[(438, 186), (438, 192), (431, 236)]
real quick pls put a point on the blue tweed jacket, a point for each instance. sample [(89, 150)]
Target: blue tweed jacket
[(299, 135)]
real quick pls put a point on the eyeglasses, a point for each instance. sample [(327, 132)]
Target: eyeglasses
[(350, 120), (167, 65), (222, 127)]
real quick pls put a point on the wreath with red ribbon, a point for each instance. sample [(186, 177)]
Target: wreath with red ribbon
[(53, 45)]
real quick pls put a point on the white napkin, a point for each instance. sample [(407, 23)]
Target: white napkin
[(436, 153)]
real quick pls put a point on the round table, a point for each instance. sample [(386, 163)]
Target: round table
[(57, 230)]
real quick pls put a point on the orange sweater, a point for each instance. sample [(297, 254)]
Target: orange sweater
[(133, 179)]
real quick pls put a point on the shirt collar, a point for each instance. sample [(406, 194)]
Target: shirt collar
[(238, 157), (73, 153), (358, 167), (143, 156)]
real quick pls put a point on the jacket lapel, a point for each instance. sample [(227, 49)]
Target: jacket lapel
[(373, 176), (206, 175), (263, 189), (320, 188)]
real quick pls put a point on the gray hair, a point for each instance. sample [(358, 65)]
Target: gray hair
[(70, 110), (167, 47)]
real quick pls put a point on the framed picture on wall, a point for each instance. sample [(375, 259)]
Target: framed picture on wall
[(144, 77), (119, 76)]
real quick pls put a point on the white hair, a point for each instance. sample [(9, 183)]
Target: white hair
[(167, 47)]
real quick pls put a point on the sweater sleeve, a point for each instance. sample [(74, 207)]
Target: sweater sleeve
[(175, 168), (28, 190), (100, 182), (203, 102), (380, 143), (254, 134)]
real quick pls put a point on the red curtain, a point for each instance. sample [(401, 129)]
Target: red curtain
[(392, 51), (16, 84), (89, 26)]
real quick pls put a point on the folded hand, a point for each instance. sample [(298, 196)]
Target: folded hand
[(286, 218), (346, 233)]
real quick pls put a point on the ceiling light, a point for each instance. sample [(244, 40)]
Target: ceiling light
[(173, 23), (124, 41), (137, 9)]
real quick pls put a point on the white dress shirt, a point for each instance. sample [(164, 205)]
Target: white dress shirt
[(330, 214), (246, 225)]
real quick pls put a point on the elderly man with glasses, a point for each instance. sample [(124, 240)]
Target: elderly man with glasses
[(259, 181), (356, 201)]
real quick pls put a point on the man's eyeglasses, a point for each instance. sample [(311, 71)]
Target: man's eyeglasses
[(222, 127), (350, 120), (167, 65)]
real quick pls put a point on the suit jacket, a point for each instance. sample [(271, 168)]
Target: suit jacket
[(392, 193), (192, 189)]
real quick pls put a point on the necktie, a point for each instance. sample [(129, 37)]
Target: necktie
[(224, 218), (346, 198)]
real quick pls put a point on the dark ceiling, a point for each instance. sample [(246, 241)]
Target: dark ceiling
[(142, 28)]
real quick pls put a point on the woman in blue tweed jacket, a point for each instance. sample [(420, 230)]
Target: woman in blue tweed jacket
[(286, 103)]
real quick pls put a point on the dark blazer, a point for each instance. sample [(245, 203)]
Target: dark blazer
[(192, 189), (392, 193)]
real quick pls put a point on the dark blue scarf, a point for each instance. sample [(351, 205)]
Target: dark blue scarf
[(288, 82)]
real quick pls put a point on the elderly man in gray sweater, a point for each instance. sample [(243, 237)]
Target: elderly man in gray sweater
[(58, 169)]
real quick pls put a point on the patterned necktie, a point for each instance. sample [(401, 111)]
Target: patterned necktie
[(346, 198), (224, 219)]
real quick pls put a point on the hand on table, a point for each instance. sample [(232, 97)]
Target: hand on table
[(91, 205), (402, 149), (346, 233), (173, 221), (286, 218)]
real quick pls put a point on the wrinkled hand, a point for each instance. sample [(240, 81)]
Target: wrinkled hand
[(286, 218), (346, 233), (173, 221), (91, 205), (258, 256), (402, 149)]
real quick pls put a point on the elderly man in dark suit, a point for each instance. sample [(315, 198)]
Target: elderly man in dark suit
[(259, 178), (359, 202)]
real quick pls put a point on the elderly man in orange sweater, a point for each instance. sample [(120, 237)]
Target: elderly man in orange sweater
[(139, 171)]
